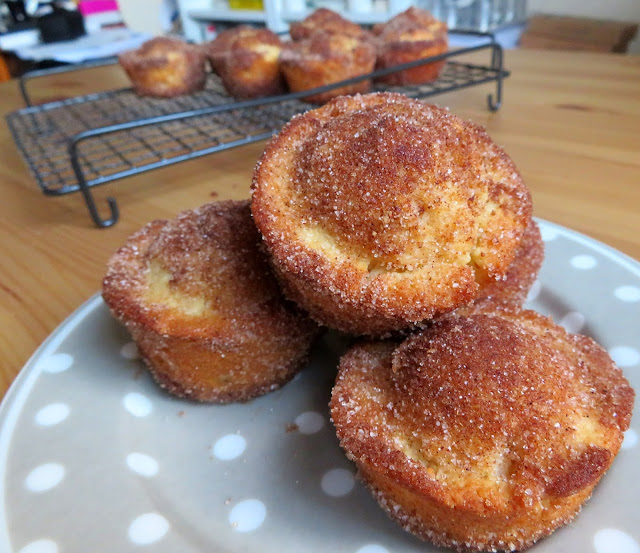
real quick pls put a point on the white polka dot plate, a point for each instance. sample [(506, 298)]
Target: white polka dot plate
[(94, 457)]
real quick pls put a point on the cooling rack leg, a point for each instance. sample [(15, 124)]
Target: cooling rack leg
[(93, 210), (496, 64), (86, 191), (495, 103)]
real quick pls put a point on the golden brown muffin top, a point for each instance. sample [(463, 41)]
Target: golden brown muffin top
[(159, 51), (323, 46), (413, 36), (243, 37), (195, 274), (368, 191), (410, 23), (512, 291), (491, 412), (326, 20)]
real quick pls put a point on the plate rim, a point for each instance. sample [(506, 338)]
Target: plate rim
[(612, 253), (19, 389)]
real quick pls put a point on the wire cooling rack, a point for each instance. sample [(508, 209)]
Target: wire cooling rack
[(75, 144)]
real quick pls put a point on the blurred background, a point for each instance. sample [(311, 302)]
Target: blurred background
[(40, 33)]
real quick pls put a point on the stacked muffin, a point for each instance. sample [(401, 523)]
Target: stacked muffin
[(476, 424)]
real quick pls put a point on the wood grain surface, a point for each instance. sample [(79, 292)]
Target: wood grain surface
[(571, 122)]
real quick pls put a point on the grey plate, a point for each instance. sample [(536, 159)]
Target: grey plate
[(94, 457)]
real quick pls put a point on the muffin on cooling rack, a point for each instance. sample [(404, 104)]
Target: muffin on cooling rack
[(410, 36), (328, 21), (165, 67), (380, 212), (327, 58), (483, 432), (246, 59), (198, 298)]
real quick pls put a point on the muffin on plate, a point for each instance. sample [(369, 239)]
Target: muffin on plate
[(197, 296), (511, 292), (380, 212), (483, 432), (165, 67)]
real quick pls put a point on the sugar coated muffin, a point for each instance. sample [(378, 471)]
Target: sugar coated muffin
[(380, 212), (215, 48), (197, 296), (410, 36), (247, 61), (483, 432), (412, 17), (165, 67), (511, 292), (327, 58), (326, 20)]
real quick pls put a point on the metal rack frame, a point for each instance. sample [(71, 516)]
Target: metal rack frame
[(76, 144)]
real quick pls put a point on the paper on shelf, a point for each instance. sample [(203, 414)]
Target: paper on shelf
[(90, 47)]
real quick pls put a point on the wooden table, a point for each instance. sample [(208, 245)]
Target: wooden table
[(570, 121)]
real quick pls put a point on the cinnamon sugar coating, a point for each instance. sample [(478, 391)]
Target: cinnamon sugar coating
[(326, 58), (381, 212), (165, 67), (484, 432), (511, 292), (411, 18), (223, 41), (247, 61), (196, 294), (409, 36), (413, 48), (326, 20)]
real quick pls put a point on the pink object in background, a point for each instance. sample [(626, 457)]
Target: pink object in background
[(88, 7), (100, 14)]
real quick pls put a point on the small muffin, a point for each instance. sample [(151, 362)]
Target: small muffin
[(196, 294), (411, 17), (512, 291), (326, 20), (165, 67), (381, 212), (324, 59), (215, 49), (482, 433), (246, 59), (410, 36)]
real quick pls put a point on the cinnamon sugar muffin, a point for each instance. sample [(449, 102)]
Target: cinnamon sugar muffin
[(246, 59), (380, 211), (482, 433), (165, 67), (411, 17), (196, 294), (410, 36), (326, 20), (222, 43), (327, 58), (512, 291)]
